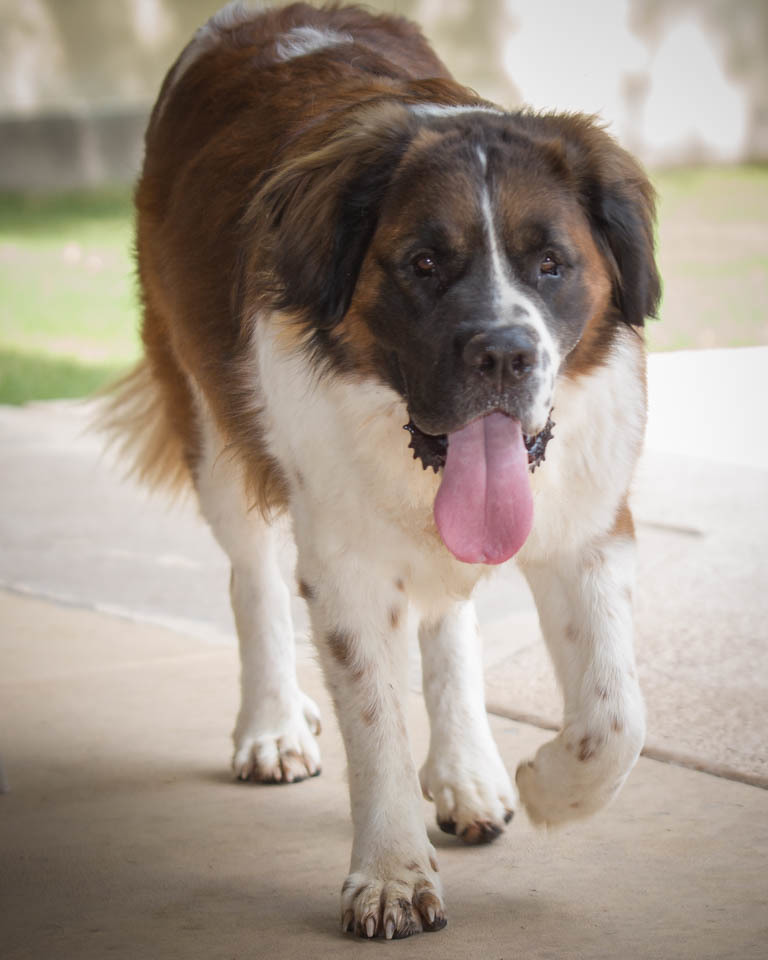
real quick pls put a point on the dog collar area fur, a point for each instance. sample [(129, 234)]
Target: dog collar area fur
[(432, 450)]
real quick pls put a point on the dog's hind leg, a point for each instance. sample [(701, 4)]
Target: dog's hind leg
[(463, 773), (274, 733)]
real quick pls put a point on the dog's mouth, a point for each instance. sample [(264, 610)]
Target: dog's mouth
[(484, 506), (433, 450)]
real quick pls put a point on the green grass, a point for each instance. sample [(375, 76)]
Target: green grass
[(717, 194), (713, 255), (69, 314), (25, 377)]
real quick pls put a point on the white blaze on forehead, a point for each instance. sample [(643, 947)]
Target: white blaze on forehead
[(513, 308)]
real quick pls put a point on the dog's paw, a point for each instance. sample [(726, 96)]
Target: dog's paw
[(577, 773), (392, 903), (284, 752), (473, 794)]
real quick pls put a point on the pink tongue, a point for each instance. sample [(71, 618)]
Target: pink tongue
[(484, 507)]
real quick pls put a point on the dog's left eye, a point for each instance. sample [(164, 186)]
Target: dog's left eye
[(424, 266), (549, 267)]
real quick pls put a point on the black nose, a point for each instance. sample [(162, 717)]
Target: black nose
[(507, 353)]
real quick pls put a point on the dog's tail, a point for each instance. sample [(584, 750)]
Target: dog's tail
[(133, 415)]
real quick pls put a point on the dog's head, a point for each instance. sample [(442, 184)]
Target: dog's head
[(464, 256)]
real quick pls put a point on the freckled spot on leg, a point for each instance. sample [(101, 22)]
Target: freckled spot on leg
[(340, 644), (587, 748), (305, 591), (602, 693), (571, 633), (623, 525), (394, 617), (616, 725), (575, 806), (371, 713), (400, 584)]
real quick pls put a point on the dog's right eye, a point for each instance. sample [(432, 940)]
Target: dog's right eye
[(424, 266)]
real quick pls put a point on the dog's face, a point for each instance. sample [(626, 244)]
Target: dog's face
[(467, 258), (480, 279)]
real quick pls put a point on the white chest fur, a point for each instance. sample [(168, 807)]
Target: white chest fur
[(353, 480)]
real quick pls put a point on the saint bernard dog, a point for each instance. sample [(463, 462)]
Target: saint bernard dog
[(412, 320)]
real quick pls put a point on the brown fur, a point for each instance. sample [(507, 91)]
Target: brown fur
[(305, 591), (137, 415), (597, 337), (623, 525), (194, 256), (372, 713), (341, 645)]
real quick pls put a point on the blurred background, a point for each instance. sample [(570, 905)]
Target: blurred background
[(681, 83)]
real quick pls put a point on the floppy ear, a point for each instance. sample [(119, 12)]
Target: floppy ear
[(620, 203), (622, 208), (316, 214)]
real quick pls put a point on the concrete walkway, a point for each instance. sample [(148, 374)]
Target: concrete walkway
[(122, 835)]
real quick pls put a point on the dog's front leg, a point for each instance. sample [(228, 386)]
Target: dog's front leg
[(463, 773), (359, 623), (584, 600)]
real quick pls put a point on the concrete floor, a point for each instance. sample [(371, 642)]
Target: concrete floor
[(123, 835)]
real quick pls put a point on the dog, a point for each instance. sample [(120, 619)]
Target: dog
[(337, 241)]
